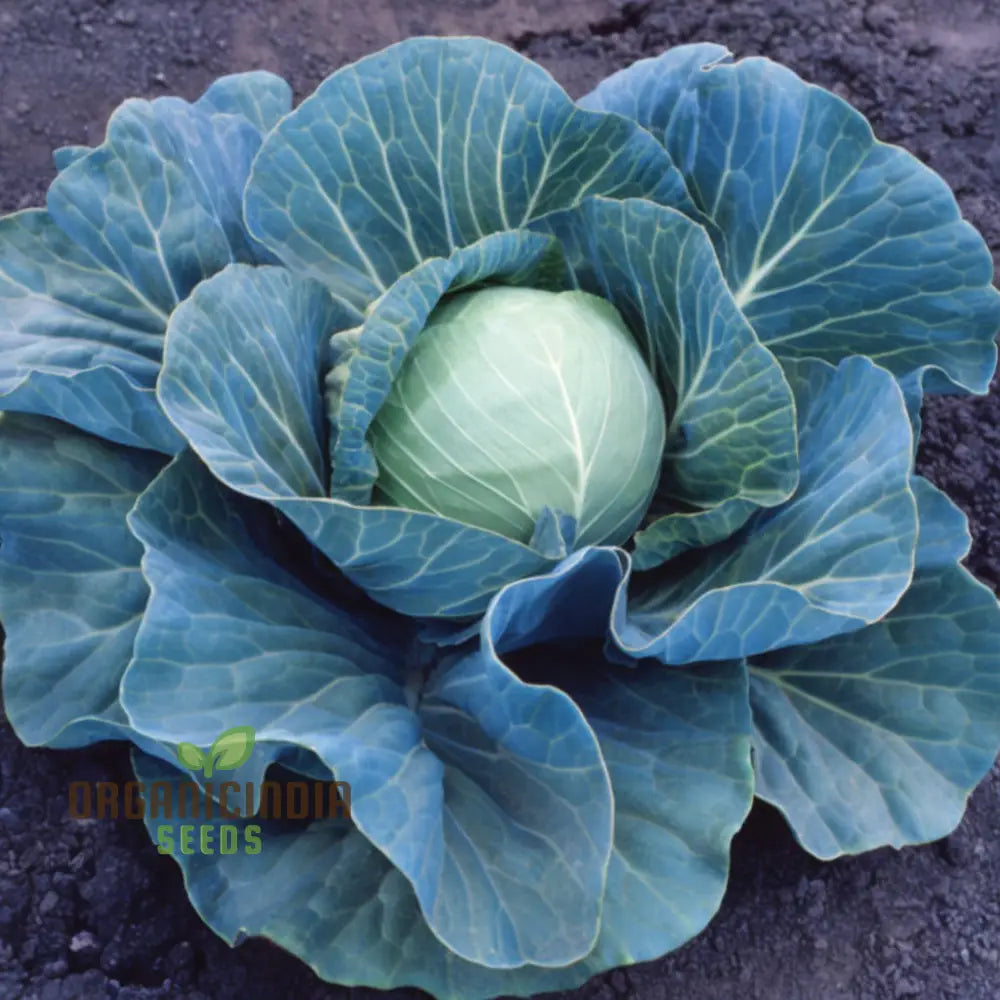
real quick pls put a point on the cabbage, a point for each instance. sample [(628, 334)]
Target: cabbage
[(515, 400), (533, 479)]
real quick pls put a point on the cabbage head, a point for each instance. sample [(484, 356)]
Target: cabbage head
[(542, 470)]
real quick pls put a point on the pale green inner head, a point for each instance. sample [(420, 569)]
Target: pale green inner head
[(513, 399)]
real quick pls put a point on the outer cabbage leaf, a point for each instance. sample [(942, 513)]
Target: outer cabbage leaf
[(159, 201), (943, 537), (649, 90), (878, 737), (731, 420), (71, 591), (676, 744), (131, 227), (490, 796), (914, 385), (835, 557), (252, 408), (65, 156), (260, 97), (833, 243), (430, 145), (241, 379), (338, 903), (329, 896), (77, 341)]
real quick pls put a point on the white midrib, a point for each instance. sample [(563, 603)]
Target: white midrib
[(759, 272), (581, 465)]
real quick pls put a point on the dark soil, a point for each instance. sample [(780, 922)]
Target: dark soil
[(90, 910)]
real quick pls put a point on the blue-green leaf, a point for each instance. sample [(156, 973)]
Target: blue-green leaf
[(325, 893), (158, 203), (649, 90), (676, 744), (833, 243), (65, 156), (428, 146), (415, 563), (261, 97), (731, 420), (835, 557), (71, 592), (338, 903), (492, 795), (943, 534), (914, 386), (878, 737), (132, 227), (668, 535), (677, 747), (77, 341), (242, 355), (521, 761), (240, 379)]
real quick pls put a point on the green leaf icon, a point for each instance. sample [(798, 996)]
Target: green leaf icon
[(190, 756), (230, 750)]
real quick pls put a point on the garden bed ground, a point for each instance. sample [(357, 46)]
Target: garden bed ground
[(89, 910)]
